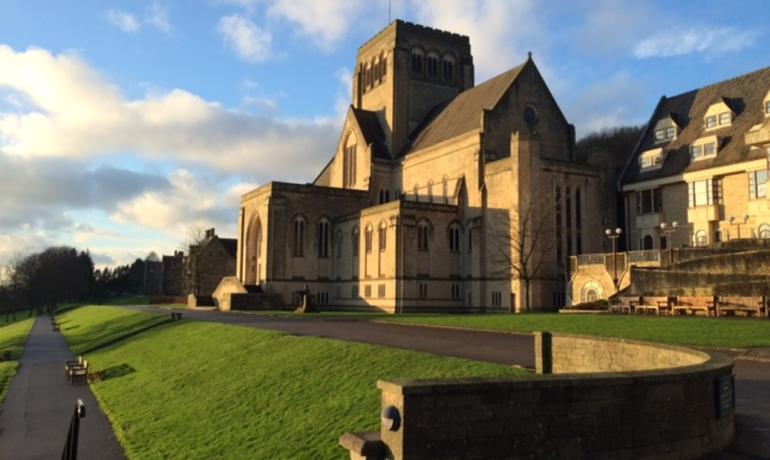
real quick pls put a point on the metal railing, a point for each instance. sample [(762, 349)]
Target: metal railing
[(651, 255), (71, 446)]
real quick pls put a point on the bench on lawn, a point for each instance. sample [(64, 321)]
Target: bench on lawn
[(652, 304), (625, 304), (749, 306), (176, 316), (691, 305), (78, 373), (72, 364)]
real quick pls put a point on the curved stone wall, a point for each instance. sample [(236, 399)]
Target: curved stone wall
[(680, 406)]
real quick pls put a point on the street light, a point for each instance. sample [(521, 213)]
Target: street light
[(613, 235), (738, 223), (668, 230)]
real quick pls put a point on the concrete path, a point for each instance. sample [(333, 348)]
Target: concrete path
[(36, 414), (752, 372)]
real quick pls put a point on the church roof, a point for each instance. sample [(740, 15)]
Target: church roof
[(743, 95), (372, 131), (462, 114)]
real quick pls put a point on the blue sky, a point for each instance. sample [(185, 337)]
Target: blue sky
[(125, 123)]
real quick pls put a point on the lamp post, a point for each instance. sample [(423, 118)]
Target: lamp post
[(613, 235), (734, 221), (668, 230)]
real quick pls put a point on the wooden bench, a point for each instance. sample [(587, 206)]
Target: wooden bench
[(692, 305), (176, 316), (628, 304), (749, 306), (72, 364), (78, 373), (654, 305)]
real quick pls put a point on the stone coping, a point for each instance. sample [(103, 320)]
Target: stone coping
[(712, 361), (363, 443)]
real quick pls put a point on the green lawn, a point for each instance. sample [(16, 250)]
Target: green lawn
[(13, 336), (203, 390), (703, 332), (103, 325)]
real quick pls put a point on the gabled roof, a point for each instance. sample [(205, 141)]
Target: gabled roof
[(743, 94), (463, 113), (372, 131)]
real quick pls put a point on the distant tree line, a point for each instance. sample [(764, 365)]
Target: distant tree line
[(42, 281)]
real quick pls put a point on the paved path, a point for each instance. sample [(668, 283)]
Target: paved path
[(36, 414), (752, 377)]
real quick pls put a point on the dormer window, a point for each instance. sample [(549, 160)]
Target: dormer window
[(704, 148), (665, 130), (651, 159), (718, 115), (767, 108)]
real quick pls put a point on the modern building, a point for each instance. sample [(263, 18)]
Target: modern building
[(441, 195)]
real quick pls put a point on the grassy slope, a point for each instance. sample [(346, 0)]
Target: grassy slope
[(203, 390), (12, 337), (705, 332), (103, 325)]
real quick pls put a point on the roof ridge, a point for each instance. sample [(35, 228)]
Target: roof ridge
[(722, 82)]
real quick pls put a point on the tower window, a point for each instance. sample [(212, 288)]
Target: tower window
[(454, 239), (432, 65), (299, 237), (416, 62), (422, 237), (383, 236), (448, 69), (368, 240)]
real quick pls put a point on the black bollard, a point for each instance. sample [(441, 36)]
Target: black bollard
[(71, 446)]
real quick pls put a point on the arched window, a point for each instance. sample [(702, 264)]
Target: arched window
[(578, 223), (448, 68), (558, 227), (432, 64), (764, 231), (647, 242), (700, 238), (568, 212), (383, 65), (382, 235), (376, 67), (368, 239), (356, 241), (323, 238), (298, 237), (417, 57), (430, 191), (454, 238), (338, 244), (349, 161), (367, 74), (445, 188), (423, 236)]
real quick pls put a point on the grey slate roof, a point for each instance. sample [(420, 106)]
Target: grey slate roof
[(372, 131), (462, 114), (743, 94)]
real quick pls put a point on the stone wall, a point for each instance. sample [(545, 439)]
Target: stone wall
[(677, 412)]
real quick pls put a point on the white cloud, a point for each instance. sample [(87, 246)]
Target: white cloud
[(124, 21), (250, 42), (706, 40), (501, 31), (326, 21), (158, 18), (74, 113)]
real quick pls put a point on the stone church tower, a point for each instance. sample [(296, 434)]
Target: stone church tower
[(440, 196)]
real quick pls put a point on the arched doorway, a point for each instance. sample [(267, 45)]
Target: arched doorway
[(253, 252), (647, 242)]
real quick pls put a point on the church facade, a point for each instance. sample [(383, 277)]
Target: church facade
[(441, 195)]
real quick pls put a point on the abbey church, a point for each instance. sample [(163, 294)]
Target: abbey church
[(442, 195)]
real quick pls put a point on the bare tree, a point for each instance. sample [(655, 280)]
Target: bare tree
[(195, 235), (523, 244)]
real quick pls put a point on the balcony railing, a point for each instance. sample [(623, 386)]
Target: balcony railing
[(652, 255)]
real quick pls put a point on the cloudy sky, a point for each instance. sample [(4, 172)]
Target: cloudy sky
[(125, 123)]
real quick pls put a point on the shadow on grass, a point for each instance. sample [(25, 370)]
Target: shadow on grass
[(113, 372), (125, 336)]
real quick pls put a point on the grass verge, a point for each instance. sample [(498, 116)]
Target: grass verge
[(91, 327), (13, 336), (203, 390), (701, 332)]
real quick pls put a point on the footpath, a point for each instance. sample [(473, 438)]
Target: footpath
[(35, 417)]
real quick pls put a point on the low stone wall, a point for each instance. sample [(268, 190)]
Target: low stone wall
[(683, 408)]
